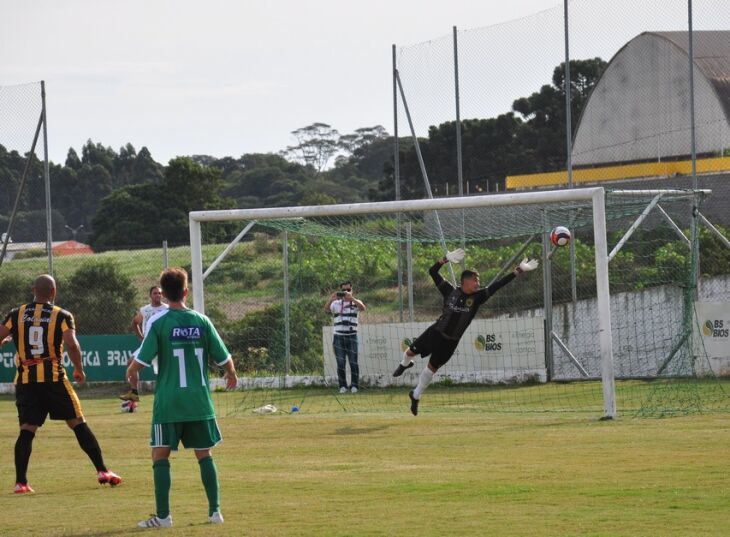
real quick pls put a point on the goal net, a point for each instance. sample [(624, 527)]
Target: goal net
[(613, 333)]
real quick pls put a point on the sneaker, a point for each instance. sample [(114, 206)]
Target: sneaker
[(343, 390), (22, 488), (129, 396), (399, 370), (216, 518), (109, 477), (414, 403), (156, 522), (354, 389)]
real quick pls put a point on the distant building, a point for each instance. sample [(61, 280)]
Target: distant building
[(640, 108)]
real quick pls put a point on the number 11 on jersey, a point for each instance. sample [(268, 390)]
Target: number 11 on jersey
[(180, 355)]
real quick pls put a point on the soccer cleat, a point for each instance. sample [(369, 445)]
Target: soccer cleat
[(22, 488), (354, 389), (216, 518), (109, 477), (343, 390), (414, 403), (399, 370), (156, 522), (129, 396)]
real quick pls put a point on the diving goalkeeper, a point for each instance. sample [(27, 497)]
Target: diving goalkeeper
[(460, 306)]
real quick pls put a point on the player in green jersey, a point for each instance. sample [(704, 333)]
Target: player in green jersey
[(183, 341)]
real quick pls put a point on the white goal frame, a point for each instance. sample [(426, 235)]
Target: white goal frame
[(596, 195)]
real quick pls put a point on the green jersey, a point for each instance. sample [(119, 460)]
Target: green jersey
[(183, 341)]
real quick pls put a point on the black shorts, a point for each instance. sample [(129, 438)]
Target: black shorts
[(37, 400), (432, 342)]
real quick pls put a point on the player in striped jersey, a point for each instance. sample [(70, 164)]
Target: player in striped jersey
[(39, 331)]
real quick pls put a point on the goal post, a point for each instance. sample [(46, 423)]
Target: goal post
[(591, 197)]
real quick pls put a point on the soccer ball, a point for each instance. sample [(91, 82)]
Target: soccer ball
[(560, 236), (129, 406)]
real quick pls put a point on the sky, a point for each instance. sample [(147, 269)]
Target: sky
[(224, 78), (219, 78)]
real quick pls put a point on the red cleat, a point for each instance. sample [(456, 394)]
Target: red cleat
[(109, 477), (22, 488)]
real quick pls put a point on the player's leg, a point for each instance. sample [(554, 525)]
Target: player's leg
[(31, 415), (164, 437), (202, 436), (338, 346), (133, 393), (443, 350), (422, 345), (354, 368)]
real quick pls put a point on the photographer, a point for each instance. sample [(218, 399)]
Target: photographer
[(344, 307)]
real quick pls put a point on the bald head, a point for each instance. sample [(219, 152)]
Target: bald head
[(44, 288)]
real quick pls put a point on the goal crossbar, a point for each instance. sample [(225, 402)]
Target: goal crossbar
[(595, 195)]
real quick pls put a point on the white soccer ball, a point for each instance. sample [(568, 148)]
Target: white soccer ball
[(560, 236)]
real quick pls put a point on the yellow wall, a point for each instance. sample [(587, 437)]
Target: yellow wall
[(615, 173)]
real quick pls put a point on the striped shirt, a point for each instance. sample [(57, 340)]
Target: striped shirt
[(345, 312), (37, 330)]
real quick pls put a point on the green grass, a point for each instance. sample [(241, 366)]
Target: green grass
[(387, 473)]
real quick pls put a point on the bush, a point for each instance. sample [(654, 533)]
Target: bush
[(101, 298), (14, 291)]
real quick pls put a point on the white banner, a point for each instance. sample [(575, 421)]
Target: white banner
[(491, 350), (711, 339)]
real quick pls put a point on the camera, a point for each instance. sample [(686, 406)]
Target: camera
[(340, 294)]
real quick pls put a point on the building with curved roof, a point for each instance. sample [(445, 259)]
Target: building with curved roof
[(640, 108)]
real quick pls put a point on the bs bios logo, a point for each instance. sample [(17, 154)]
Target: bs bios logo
[(715, 328), (487, 342)]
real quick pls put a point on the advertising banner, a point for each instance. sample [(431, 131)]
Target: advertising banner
[(711, 339), (104, 357), (491, 350)]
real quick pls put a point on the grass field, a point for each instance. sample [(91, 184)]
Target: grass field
[(387, 473)]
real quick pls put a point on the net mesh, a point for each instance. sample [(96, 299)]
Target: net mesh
[(503, 362)]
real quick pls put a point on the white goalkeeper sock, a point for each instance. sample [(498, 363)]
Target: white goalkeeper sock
[(406, 359), (423, 381)]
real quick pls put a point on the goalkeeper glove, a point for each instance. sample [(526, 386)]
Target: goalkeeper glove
[(457, 256), (527, 266)]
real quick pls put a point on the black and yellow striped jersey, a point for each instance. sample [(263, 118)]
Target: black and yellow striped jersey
[(37, 330)]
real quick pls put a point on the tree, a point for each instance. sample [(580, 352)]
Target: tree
[(317, 144), (100, 296)]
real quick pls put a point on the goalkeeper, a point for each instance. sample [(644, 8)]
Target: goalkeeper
[(460, 306)]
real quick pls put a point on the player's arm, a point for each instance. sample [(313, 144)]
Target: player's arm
[(137, 325), (230, 374), (5, 336), (73, 348), (524, 266)]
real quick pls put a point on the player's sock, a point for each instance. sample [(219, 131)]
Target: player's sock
[(423, 381), (406, 359), (89, 444), (163, 480), (209, 476), (23, 449)]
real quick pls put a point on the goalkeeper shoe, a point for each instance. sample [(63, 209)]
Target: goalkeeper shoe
[(216, 518), (156, 522), (414, 403), (401, 368), (109, 477), (22, 488), (130, 396)]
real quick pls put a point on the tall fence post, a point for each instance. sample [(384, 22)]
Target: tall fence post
[(287, 340)]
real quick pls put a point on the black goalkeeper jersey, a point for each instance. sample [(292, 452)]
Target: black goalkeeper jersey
[(459, 307)]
